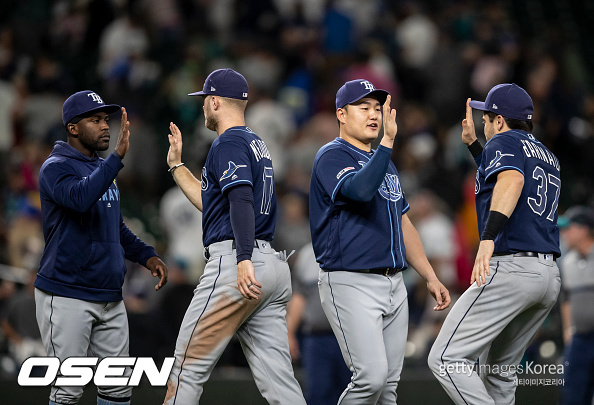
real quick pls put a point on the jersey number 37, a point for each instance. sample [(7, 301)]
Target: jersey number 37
[(543, 197)]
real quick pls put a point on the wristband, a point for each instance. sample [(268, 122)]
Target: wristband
[(475, 148), (494, 225), (172, 169)]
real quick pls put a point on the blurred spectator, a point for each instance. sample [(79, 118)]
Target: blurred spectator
[(436, 230), (310, 336), (577, 274), (182, 224), (122, 41), (8, 102), (292, 229), (19, 325), (275, 124), (418, 37)]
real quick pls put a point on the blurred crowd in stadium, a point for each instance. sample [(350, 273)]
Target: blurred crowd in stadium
[(147, 55)]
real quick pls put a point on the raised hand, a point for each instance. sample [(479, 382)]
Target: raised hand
[(175, 145), (468, 131), (389, 118), (123, 143)]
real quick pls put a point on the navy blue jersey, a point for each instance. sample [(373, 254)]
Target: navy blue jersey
[(237, 157), (532, 226), (351, 235)]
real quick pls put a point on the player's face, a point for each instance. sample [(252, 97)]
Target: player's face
[(93, 132), (209, 120), (489, 127), (363, 120), (573, 234)]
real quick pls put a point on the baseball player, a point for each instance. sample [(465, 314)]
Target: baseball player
[(515, 279), (246, 284), (78, 293), (363, 239), (577, 301)]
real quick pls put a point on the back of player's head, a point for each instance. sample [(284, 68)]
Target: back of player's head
[(508, 100), (224, 83)]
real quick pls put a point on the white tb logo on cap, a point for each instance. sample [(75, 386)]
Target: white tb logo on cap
[(368, 85), (95, 97)]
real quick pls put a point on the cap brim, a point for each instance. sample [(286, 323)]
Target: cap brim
[(382, 95), (198, 93), (108, 108), (478, 105)]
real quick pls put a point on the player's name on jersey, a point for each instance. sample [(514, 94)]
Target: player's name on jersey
[(260, 149), (111, 195), (532, 150)]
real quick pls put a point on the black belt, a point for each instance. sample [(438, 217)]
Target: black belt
[(524, 254), (255, 244), (207, 253), (384, 271)]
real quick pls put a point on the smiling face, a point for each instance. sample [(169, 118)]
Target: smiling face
[(91, 133), (360, 123)]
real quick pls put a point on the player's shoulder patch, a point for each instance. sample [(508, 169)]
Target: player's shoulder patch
[(495, 162), (230, 170), (343, 171)]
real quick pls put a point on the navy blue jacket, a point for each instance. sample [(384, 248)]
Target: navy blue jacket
[(86, 239)]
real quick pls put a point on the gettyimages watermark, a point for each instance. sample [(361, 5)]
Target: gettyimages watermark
[(79, 371), (527, 374)]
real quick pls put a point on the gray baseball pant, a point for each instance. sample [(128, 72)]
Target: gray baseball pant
[(369, 316), (491, 326), (75, 328), (218, 311)]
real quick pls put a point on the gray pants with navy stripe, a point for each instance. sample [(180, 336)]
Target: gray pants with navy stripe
[(480, 345), (75, 328), (369, 316), (218, 311)]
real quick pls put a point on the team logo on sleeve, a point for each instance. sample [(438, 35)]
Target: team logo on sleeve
[(343, 171), (495, 161), (229, 172)]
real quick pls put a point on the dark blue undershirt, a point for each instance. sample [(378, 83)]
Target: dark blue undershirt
[(243, 222), (364, 184)]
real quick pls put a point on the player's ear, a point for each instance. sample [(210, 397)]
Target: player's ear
[(500, 122), (72, 129), (340, 115), (215, 102)]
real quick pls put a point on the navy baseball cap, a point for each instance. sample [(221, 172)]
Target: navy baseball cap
[(578, 214), (83, 103), (224, 83), (355, 90), (508, 100)]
